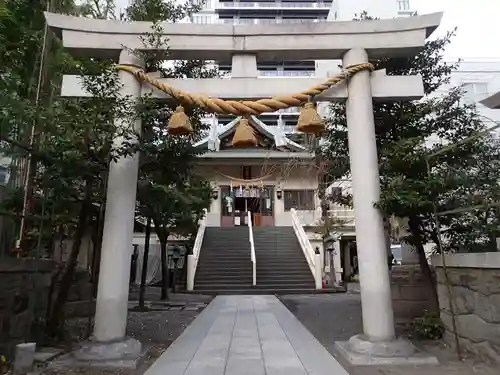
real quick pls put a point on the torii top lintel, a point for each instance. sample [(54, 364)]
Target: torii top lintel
[(307, 41)]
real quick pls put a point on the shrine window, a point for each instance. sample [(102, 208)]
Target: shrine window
[(299, 199)]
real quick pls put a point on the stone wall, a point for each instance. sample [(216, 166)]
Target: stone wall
[(23, 284), (80, 292), (411, 296), (475, 291)]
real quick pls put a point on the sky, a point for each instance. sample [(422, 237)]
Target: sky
[(477, 22), (478, 26)]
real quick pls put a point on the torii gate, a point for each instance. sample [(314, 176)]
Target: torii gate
[(354, 42)]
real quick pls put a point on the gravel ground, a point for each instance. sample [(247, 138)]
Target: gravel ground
[(337, 317), (156, 328)]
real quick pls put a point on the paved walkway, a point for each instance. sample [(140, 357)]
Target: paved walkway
[(246, 335)]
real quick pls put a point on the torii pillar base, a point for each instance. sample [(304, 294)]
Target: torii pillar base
[(359, 351), (125, 354)]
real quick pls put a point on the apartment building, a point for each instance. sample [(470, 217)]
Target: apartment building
[(243, 12)]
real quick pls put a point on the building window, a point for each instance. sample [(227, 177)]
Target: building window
[(299, 199), (404, 4), (474, 91), (226, 197), (246, 172), (202, 19)]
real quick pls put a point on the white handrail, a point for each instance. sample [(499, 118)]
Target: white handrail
[(192, 261), (252, 249), (313, 259)]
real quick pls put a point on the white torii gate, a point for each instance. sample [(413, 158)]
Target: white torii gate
[(354, 42)]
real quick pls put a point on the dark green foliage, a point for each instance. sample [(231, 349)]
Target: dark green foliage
[(459, 177), (74, 137), (428, 327)]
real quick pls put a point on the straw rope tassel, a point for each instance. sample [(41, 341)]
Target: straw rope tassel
[(309, 121), (179, 123)]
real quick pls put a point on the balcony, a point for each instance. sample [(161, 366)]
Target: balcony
[(288, 111), (286, 73), (275, 73), (404, 8), (343, 214), (266, 21), (277, 4)]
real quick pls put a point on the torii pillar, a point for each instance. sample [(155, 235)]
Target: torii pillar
[(113, 288), (109, 342), (370, 233)]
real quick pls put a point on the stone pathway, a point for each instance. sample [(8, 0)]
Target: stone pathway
[(337, 317), (156, 328), (246, 335)]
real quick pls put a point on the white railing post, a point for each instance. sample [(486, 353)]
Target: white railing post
[(318, 272), (252, 249), (190, 272), (304, 242), (192, 260)]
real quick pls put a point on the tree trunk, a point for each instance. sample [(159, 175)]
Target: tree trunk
[(57, 315), (163, 236), (145, 258), (428, 277), (52, 286), (324, 205), (96, 257)]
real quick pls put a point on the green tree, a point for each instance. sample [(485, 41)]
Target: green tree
[(169, 190), (404, 132), (99, 9), (72, 144)]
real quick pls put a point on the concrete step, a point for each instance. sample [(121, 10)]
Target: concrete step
[(290, 276), (225, 266), (276, 291), (286, 282), (278, 268), (226, 263), (208, 271), (260, 285), (220, 286), (240, 245), (229, 258), (227, 280), (290, 259)]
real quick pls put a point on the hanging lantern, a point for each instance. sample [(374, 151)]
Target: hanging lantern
[(179, 123), (244, 136), (310, 122)]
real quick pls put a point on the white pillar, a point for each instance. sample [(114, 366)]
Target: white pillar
[(347, 260), (318, 272), (337, 261), (378, 319), (114, 274), (190, 273)]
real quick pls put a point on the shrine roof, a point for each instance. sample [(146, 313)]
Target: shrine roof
[(270, 132)]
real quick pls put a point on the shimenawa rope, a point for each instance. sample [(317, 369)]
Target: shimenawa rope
[(246, 107)]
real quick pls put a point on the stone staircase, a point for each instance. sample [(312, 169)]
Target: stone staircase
[(225, 267), (281, 265)]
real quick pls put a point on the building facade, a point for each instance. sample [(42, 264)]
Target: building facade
[(480, 80), (241, 12)]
